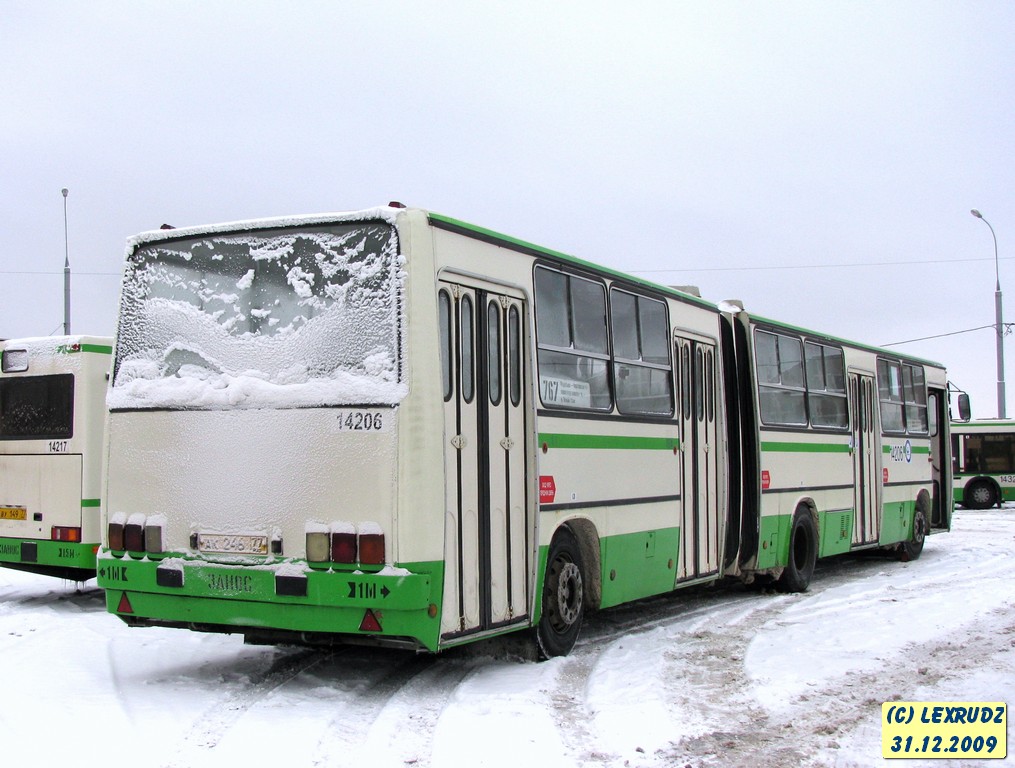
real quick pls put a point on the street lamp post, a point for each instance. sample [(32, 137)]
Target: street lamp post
[(66, 269), (998, 324)]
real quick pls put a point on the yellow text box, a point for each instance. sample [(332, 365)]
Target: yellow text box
[(944, 729)]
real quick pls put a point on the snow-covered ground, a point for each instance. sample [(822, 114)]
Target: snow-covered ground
[(712, 677)]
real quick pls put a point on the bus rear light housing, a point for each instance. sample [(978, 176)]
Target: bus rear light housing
[(154, 534), (64, 533), (343, 547), (371, 546), (318, 544), (344, 543), (133, 533), (115, 531)]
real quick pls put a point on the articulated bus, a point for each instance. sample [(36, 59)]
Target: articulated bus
[(52, 413), (983, 456), (393, 427)]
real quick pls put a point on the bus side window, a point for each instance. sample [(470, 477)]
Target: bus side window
[(493, 358), (514, 356), (467, 369), (444, 321)]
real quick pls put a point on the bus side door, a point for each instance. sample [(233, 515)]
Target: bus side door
[(486, 565)]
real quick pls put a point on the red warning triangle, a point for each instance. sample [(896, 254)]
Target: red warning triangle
[(369, 623), (124, 606)]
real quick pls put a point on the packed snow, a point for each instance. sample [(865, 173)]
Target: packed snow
[(706, 677)]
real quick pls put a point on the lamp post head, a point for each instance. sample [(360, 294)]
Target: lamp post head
[(64, 191), (976, 213)]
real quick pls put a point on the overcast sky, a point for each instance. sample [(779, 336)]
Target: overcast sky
[(817, 160)]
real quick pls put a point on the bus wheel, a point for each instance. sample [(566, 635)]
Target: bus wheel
[(980, 495), (803, 554), (910, 550), (563, 596)]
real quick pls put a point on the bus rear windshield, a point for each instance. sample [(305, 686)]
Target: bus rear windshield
[(37, 407), (273, 318)]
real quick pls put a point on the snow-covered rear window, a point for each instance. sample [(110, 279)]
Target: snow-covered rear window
[(271, 318)]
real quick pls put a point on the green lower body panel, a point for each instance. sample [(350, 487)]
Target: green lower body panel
[(835, 533), (396, 606), (637, 565), (773, 543), (62, 559), (896, 522)]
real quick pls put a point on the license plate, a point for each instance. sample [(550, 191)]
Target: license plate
[(13, 513), (232, 544)]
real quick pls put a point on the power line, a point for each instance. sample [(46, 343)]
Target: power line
[(816, 266), (1007, 331), (18, 272)]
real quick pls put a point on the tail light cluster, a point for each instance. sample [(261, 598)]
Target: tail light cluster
[(64, 533), (138, 533), (345, 543)]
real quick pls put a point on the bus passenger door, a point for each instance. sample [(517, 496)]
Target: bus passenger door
[(865, 447), (696, 413), (485, 579), (937, 411)]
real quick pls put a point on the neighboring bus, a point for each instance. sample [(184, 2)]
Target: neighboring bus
[(393, 427), (983, 455), (52, 412)]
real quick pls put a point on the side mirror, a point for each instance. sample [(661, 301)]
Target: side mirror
[(964, 412)]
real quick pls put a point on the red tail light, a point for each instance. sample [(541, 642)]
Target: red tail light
[(133, 535), (62, 533), (343, 547), (114, 535), (371, 548)]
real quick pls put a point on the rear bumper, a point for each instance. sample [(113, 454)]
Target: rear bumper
[(256, 599), (51, 558)]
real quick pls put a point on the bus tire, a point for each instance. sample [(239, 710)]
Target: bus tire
[(803, 553), (563, 597), (910, 550), (980, 494)]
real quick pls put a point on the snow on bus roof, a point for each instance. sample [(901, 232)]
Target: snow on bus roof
[(384, 213)]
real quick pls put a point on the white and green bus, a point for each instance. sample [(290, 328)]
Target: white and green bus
[(983, 455), (52, 413), (393, 427)]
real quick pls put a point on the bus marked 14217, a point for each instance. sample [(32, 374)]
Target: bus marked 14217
[(52, 411), (390, 426)]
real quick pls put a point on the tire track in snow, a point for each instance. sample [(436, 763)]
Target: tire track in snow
[(217, 720), (374, 722)]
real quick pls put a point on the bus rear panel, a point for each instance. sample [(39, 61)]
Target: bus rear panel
[(52, 405)]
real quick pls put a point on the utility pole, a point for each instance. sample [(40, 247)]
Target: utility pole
[(66, 269)]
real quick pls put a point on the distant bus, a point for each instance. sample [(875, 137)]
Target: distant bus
[(983, 455), (52, 413), (393, 427)]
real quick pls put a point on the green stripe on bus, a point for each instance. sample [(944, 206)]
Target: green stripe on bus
[(91, 502), (617, 442), (805, 447), (101, 349), (922, 449)]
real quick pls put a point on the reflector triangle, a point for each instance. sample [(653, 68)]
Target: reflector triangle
[(124, 606), (369, 623)]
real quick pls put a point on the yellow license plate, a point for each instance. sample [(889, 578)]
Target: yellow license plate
[(13, 513)]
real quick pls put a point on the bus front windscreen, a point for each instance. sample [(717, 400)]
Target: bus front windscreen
[(273, 318)]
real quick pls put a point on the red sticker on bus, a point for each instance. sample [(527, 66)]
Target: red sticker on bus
[(766, 480), (884, 475), (547, 489)]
